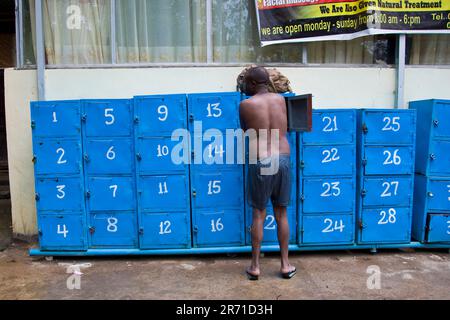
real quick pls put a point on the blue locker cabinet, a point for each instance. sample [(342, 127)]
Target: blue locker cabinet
[(386, 153), (109, 173), (270, 226), (58, 168), (327, 172), (217, 184), (162, 172), (431, 222), (433, 137)]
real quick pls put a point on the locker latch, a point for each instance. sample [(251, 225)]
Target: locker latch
[(84, 117), (364, 128), (363, 193), (302, 198), (138, 156), (432, 156), (436, 123), (302, 164), (34, 160), (191, 117), (361, 225), (33, 124), (86, 158), (37, 196), (40, 232), (364, 162), (136, 120), (88, 194), (91, 230), (141, 231), (430, 194), (194, 193), (195, 229)]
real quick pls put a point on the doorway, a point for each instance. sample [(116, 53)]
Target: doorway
[(7, 60)]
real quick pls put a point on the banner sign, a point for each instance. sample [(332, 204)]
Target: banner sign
[(283, 21)]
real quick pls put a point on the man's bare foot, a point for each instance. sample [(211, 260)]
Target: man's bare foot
[(288, 272), (252, 273)]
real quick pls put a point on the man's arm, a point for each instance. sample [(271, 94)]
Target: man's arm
[(242, 108)]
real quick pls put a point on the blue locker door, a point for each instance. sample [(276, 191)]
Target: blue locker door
[(59, 194), (57, 157), (439, 195), (441, 125), (111, 193), (389, 127), (108, 118), (160, 115), (113, 229), (386, 225), (439, 228), (56, 119), (389, 160), (216, 227), (332, 127), (439, 158), (327, 229), (328, 195), (328, 160), (161, 154), (387, 191), (165, 230), (109, 156), (62, 232), (163, 192), (214, 110), (217, 189)]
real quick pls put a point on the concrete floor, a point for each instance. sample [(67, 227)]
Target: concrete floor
[(406, 274)]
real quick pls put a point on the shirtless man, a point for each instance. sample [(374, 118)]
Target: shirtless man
[(266, 112)]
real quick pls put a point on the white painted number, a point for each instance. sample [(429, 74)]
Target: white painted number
[(338, 226), (111, 155), (162, 151), (214, 187), (163, 188), (54, 117), (331, 124), (331, 186), (60, 160), (387, 186), (389, 217), (164, 227), (163, 112), (216, 151), (108, 114), (112, 225), (114, 189), (61, 192), (392, 158), (448, 186), (216, 226), (448, 231), (271, 225), (330, 155), (391, 124), (63, 231), (214, 110)]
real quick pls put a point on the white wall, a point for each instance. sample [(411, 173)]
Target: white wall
[(332, 87)]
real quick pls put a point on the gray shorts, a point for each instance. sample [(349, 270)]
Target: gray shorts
[(276, 186)]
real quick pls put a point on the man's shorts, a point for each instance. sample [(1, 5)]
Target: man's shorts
[(276, 186)]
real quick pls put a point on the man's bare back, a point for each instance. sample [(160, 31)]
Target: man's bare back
[(266, 111)]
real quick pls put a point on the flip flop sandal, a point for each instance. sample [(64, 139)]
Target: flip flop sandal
[(251, 277), (290, 274)]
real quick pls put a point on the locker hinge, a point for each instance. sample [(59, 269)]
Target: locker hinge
[(194, 193), (364, 162), (33, 124), (361, 225), (40, 232), (86, 158), (141, 231), (37, 196), (34, 160), (91, 230), (191, 117), (88, 194), (432, 156), (302, 198), (363, 193), (364, 128), (138, 156), (436, 123), (84, 117), (302, 164), (195, 229), (136, 120)]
